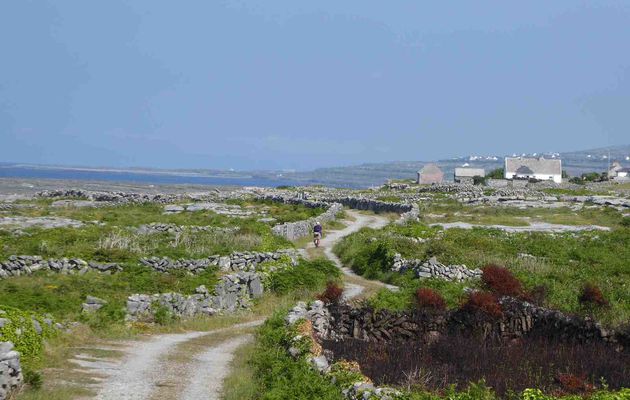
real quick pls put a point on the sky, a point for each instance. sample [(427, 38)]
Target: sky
[(298, 85)]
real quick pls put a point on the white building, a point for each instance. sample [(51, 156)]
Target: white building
[(533, 168)]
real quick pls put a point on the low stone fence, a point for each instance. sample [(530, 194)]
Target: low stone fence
[(158, 227), (26, 265), (518, 319), (434, 269), (296, 230), (232, 293), (10, 370), (114, 197), (237, 261)]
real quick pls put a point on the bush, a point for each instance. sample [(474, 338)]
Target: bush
[(538, 295), (625, 221), (483, 302), (591, 295), (306, 275), (427, 298), (280, 376), (332, 294), (500, 281), (498, 173), (574, 384), (32, 378)]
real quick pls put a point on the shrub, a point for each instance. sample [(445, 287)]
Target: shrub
[(625, 221), (332, 294), (306, 275), (32, 378), (496, 173), (537, 295), (501, 281), (484, 302), (591, 295), (479, 180), (570, 383), (427, 298)]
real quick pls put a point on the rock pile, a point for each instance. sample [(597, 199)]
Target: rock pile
[(92, 304), (237, 261), (26, 265), (433, 269), (232, 293), (10, 370)]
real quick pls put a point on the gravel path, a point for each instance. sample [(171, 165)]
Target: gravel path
[(330, 239), (211, 368)]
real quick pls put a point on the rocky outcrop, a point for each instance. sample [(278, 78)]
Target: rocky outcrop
[(433, 269), (237, 261), (114, 197), (26, 265), (10, 370), (232, 293), (92, 304)]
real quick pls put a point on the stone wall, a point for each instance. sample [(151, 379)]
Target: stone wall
[(26, 265), (114, 197), (433, 269), (232, 293), (10, 370), (296, 230), (519, 318), (237, 261)]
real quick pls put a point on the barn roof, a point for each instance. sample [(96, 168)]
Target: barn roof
[(430, 169), (531, 166), (469, 172)]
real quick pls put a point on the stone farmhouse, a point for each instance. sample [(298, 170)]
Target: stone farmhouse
[(466, 175), (533, 168), (429, 174)]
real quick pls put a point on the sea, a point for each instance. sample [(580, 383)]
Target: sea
[(35, 172)]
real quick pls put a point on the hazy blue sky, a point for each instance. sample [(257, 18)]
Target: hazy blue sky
[(296, 84)]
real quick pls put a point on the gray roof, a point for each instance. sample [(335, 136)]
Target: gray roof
[(469, 172), (430, 169), (530, 166)]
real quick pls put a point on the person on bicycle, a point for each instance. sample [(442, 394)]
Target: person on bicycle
[(317, 233)]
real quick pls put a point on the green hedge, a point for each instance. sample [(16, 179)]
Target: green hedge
[(21, 331)]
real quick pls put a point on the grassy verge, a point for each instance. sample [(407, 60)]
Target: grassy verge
[(562, 262)]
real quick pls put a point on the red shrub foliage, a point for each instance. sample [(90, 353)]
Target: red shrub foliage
[(427, 298), (484, 302), (501, 281), (332, 294), (574, 384), (592, 295)]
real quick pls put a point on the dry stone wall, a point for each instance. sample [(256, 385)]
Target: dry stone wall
[(10, 370), (232, 293), (433, 269), (296, 230), (237, 261), (519, 318), (26, 265)]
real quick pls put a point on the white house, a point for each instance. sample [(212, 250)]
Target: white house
[(533, 168)]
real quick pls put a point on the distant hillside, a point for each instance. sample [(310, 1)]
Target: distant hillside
[(365, 175)]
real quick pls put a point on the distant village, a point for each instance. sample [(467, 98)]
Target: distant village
[(522, 169)]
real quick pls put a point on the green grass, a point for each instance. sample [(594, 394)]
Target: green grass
[(62, 295), (281, 212), (564, 261), (453, 211)]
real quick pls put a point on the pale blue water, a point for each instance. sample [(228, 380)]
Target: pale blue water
[(10, 171)]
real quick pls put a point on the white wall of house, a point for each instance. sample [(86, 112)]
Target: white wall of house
[(555, 178)]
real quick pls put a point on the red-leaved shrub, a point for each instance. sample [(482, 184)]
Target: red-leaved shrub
[(501, 281), (332, 294), (592, 295), (427, 298), (574, 384), (484, 302)]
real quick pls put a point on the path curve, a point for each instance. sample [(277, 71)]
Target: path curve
[(329, 240)]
